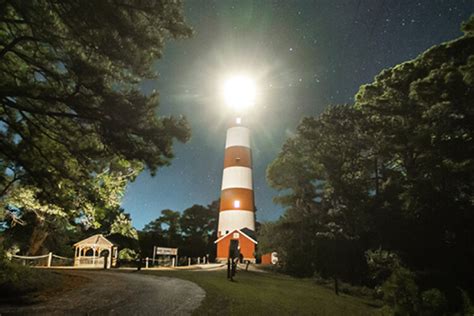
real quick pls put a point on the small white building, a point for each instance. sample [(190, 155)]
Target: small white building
[(95, 252)]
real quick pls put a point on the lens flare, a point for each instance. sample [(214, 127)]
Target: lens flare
[(239, 93)]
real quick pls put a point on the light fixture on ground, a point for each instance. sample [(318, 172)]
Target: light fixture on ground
[(236, 216)]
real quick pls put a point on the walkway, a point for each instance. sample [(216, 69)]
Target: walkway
[(116, 293)]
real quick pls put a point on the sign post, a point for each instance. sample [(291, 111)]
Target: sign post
[(163, 251)]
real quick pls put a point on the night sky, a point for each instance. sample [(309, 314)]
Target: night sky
[(304, 55)]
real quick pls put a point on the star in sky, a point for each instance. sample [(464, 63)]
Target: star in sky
[(308, 55)]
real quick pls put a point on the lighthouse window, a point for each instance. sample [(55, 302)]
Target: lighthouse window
[(238, 121), (236, 203)]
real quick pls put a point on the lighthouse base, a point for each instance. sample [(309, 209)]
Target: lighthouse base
[(246, 245)]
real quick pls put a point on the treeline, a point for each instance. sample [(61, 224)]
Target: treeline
[(380, 192), (193, 231), (29, 236)]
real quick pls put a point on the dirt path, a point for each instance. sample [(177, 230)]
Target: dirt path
[(116, 293)]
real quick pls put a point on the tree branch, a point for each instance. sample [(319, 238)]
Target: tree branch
[(13, 43), (5, 189), (15, 105)]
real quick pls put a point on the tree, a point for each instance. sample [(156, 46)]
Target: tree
[(324, 171), (39, 216), (394, 171), (193, 231), (170, 225), (70, 106), (198, 225), (214, 208), (40, 219), (419, 115), (149, 237)]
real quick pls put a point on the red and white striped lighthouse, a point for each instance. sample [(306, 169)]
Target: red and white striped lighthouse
[(237, 210)]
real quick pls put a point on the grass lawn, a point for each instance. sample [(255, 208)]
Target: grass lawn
[(256, 293)]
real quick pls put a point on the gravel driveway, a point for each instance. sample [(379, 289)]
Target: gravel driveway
[(116, 293)]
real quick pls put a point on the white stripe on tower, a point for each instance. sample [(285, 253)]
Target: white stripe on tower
[(237, 177), (236, 219), (238, 136)]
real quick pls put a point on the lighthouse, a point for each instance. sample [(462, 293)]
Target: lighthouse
[(237, 209)]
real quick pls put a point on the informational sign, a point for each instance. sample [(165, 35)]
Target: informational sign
[(166, 251)]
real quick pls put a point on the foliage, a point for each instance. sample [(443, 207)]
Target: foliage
[(70, 103), (346, 288), (25, 198), (198, 223), (433, 302), (324, 173), (70, 107), (33, 237), (74, 126), (393, 172), (123, 226), (401, 292), (381, 263), (16, 280), (467, 307), (168, 223), (193, 231), (127, 254)]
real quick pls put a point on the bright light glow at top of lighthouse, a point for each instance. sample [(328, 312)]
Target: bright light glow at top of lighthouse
[(239, 93)]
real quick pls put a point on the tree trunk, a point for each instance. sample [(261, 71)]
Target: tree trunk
[(38, 236), (336, 285)]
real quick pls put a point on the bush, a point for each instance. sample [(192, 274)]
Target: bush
[(319, 280), (467, 307), (17, 280), (128, 254), (401, 292), (360, 291), (381, 264), (346, 288), (433, 302)]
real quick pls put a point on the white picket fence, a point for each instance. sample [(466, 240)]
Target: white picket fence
[(171, 262), (48, 260), (52, 260)]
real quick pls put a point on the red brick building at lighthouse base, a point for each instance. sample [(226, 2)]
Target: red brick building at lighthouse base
[(237, 209)]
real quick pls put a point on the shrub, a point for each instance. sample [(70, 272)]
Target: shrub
[(381, 264), (433, 302), (17, 280), (467, 307), (360, 291), (128, 254), (401, 292), (319, 280), (346, 288)]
